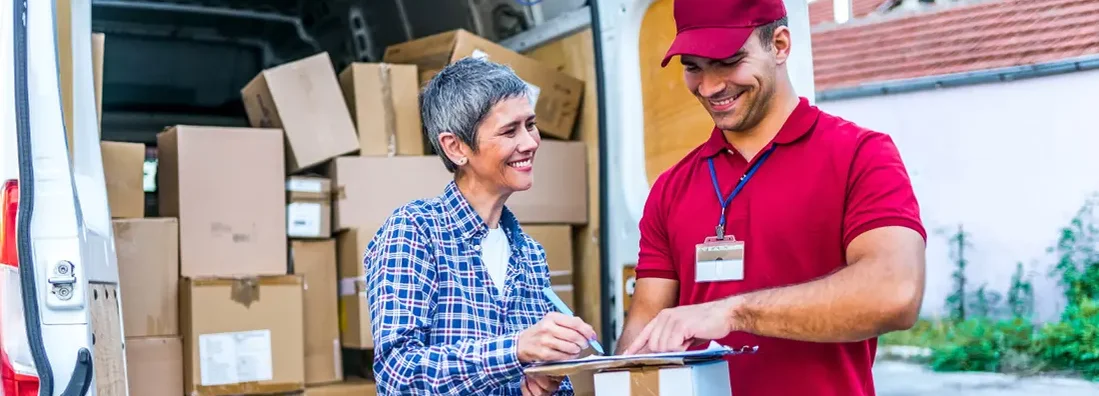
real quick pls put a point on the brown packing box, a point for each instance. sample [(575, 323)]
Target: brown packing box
[(385, 105), (148, 273), (368, 189), (560, 191), (566, 294), (308, 207), (315, 261), (124, 173), (695, 379), (303, 98), (154, 365), (356, 387), (557, 94), (242, 336), (227, 188), (557, 241), (355, 331)]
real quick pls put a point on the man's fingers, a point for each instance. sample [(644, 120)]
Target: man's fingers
[(543, 384), (660, 324)]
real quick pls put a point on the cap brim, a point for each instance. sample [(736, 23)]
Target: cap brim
[(712, 43)]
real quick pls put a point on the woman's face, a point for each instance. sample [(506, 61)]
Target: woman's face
[(506, 142)]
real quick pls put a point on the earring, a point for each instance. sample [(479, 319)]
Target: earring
[(462, 161)]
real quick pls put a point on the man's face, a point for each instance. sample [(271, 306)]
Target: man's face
[(737, 91)]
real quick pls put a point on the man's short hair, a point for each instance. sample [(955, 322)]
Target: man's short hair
[(766, 32)]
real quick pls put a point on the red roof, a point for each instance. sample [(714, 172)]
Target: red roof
[(820, 11), (956, 39)]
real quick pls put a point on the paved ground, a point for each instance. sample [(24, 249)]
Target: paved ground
[(907, 379)]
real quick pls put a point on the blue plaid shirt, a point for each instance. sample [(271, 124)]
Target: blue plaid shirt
[(440, 326)]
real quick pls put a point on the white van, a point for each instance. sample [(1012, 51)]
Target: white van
[(58, 274)]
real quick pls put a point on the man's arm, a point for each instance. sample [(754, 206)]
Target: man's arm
[(878, 292), (651, 295)]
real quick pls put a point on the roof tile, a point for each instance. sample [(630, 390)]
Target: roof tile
[(956, 39)]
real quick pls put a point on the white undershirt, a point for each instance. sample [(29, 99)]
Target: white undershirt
[(495, 253)]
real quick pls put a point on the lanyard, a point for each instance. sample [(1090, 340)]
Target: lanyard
[(743, 180)]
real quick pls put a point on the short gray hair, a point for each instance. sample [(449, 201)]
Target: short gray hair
[(461, 95)]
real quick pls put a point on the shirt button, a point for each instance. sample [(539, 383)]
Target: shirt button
[(477, 247)]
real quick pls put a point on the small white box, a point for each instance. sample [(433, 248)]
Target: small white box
[(699, 379)]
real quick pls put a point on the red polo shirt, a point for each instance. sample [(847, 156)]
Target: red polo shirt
[(827, 181)]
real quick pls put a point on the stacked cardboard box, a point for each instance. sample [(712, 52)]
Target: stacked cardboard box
[(303, 98), (251, 280)]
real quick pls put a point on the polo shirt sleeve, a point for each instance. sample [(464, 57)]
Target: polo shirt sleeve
[(655, 257), (879, 191)]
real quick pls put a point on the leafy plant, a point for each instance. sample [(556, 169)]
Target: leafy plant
[(1020, 296), (956, 301)]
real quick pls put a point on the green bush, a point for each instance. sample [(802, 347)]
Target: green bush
[(1073, 343), (984, 345)]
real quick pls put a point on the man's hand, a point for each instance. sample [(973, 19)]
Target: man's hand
[(555, 337), (540, 385), (676, 329)]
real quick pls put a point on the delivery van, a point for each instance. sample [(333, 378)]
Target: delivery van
[(174, 62)]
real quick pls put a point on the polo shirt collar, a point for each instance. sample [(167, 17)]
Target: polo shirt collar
[(798, 124), (467, 222)]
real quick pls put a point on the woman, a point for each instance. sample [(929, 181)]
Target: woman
[(454, 282)]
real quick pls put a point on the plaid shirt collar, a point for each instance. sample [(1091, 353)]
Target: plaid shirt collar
[(465, 221)]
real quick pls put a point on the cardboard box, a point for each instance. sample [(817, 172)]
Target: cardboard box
[(308, 207), (355, 330), (303, 98), (148, 274), (701, 379), (243, 336), (368, 189), (124, 173), (557, 95), (315, 261), (356, 387), (227, 188), (385, 105), (557, 241), (154, 365), (560, 191)]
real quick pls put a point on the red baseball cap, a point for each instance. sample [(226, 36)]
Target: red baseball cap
[(716, 29)]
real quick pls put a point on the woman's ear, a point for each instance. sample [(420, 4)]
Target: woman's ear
[(454, 148)]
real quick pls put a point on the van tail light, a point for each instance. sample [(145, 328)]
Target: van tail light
[(17, 372)]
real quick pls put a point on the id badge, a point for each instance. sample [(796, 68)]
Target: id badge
[(718, 260)]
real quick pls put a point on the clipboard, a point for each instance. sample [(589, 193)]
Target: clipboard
[(597, 363)]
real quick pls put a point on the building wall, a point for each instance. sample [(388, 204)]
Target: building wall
[(1013, 162)]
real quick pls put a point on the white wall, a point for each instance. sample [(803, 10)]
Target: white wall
[(1011, 161)]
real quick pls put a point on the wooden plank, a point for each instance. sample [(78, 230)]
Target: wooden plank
[(575, 55), (107, 349), (675, 122)]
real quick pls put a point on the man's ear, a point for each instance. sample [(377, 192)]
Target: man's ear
[(453, 147), (780, 43)]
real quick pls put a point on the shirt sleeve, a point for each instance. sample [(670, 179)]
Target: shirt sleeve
[(879, 191), (402, 290), (654, 259)]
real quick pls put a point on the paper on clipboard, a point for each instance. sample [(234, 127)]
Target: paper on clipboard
[(598, 363)]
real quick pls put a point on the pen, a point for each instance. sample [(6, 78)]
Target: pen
[(560, 305)]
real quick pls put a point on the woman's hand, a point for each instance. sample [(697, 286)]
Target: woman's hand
[(540, 385), (555, 337)]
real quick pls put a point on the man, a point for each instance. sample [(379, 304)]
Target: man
[(789, 229)]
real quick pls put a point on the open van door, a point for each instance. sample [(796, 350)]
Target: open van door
[(649, 119), (59, 309)]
